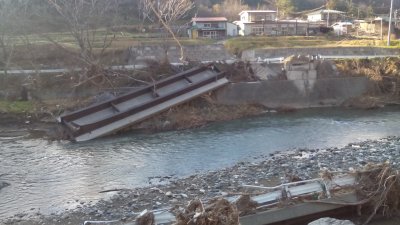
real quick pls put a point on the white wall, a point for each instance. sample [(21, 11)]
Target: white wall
[(315, 17), (244, 17), (243, 29), (231, 29)]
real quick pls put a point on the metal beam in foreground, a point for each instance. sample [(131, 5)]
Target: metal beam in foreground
[(270, 213), (292, 212), (110, 116)]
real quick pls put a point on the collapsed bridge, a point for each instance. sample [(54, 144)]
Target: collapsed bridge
[(110, 116)]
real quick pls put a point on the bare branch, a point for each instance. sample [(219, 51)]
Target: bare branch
[(83, 18), (168, 12)]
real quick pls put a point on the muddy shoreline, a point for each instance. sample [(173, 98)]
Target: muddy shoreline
[(266, 170)]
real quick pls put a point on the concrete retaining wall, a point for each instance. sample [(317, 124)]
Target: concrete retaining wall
[(294, 93), (274, 94), (215, 52), (328, 51)]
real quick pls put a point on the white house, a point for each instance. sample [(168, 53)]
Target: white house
[(327, 16), (212, 27), (253, 21)]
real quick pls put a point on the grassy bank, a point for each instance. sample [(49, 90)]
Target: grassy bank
[(38, 50), (16, 107), (239, 44)]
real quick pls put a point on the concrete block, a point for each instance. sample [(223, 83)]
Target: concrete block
[(331, 221)]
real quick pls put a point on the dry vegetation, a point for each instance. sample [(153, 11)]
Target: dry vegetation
[(375, 69), (197, 113), (380, 185), (385, 76)]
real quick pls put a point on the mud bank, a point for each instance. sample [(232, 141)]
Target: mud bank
[(266, 170)]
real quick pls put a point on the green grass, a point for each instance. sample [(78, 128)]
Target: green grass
[(16, 106), (240, 44)]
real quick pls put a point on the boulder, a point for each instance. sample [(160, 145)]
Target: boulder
[(3, 184)]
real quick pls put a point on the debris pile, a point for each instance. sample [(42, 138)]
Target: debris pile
[(197, 113), (145, 218), (246, 205), (380, 186), (218, 212)]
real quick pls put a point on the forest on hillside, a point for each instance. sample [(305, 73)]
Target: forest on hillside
[(293, 8), (42, 17)]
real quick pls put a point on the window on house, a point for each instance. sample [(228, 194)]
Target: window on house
[(210, 34), (257, 30), (259, 17), (207, 25)]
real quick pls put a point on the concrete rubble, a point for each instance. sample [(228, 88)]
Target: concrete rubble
[(331, 221)]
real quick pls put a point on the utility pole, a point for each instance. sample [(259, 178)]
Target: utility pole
[(327, 19), (381, 28), (390, 22)]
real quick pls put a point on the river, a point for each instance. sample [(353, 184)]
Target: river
[(52, 176)]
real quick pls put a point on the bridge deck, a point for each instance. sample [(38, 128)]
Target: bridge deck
[(115, 114)]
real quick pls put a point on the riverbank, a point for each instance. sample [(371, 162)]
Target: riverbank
[(194, 114), (266, 170)]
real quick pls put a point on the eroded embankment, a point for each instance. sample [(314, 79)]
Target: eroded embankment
[(384, 74), (46, 97), (50, 95)]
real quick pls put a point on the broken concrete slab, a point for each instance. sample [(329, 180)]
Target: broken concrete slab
[(331, 221)]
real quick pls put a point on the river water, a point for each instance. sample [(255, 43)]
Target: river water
[(51, 176)]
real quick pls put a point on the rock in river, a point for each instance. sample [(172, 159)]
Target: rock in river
[(3, 184)]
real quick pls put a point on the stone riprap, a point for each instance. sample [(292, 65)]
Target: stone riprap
[(267, 170)]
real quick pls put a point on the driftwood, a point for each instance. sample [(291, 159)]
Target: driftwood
[(380, 184), (114, 190)]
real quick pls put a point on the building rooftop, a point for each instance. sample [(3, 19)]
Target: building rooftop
[(342, 24), (209, 19), (324, 11), (257, 11)]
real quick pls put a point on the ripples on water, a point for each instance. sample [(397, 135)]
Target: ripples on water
[(52, 175)]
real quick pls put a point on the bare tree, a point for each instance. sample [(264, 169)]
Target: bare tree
[(84, 18), (12, 17), (167, 12)]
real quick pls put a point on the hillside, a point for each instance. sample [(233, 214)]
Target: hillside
[(379, 6)]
